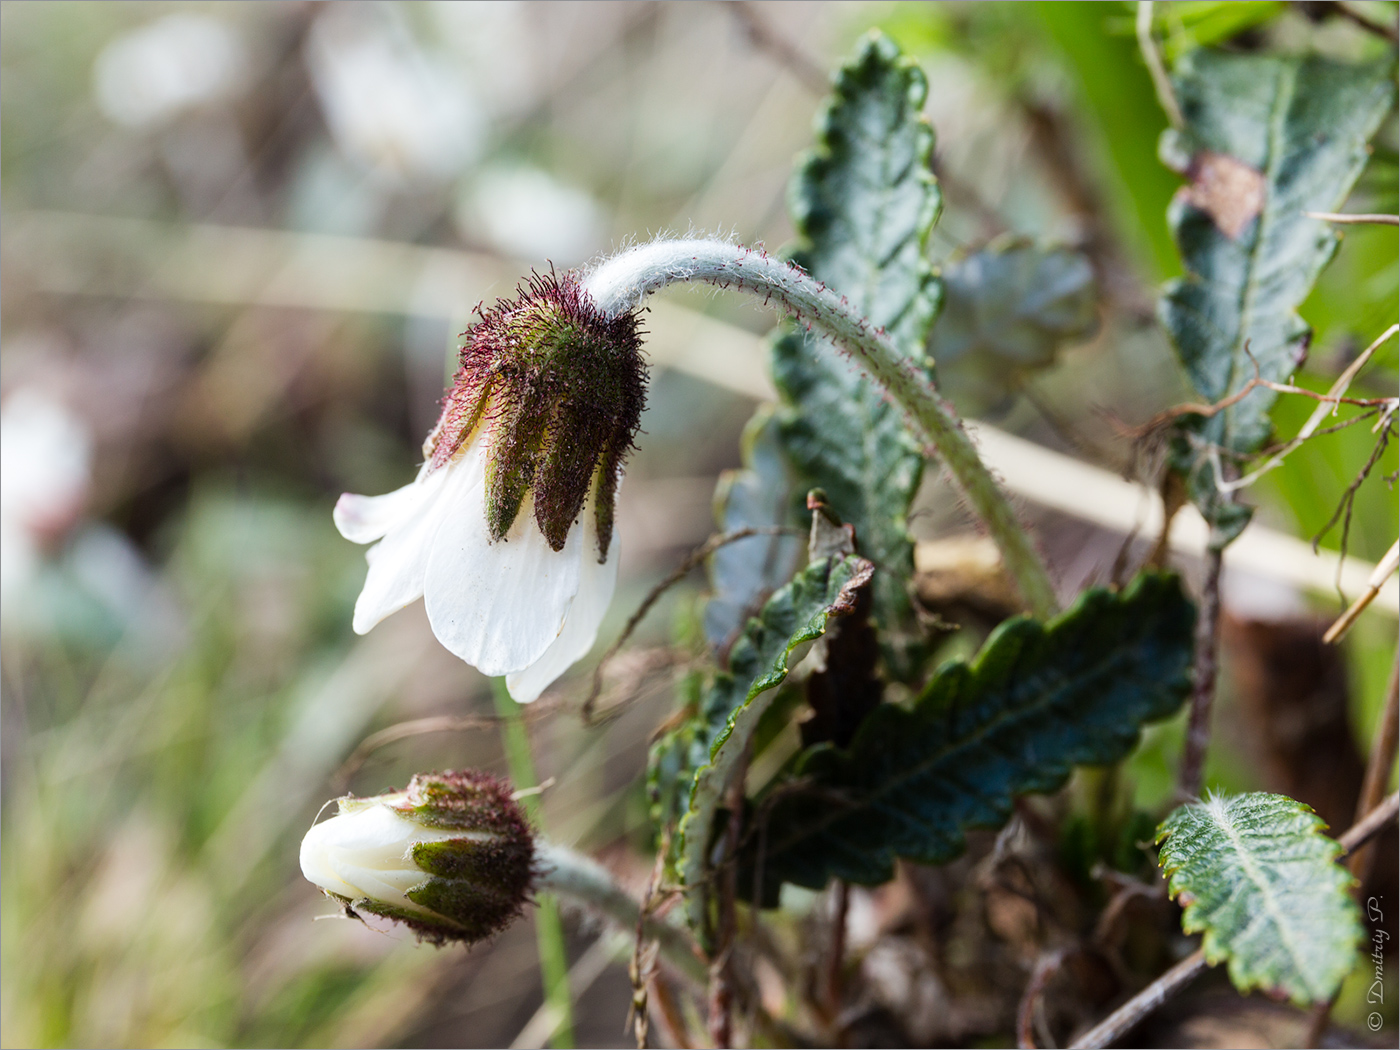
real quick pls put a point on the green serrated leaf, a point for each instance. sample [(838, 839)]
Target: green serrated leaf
[(759, 495), (1006, 310), (864, 202), (737, 698), (1267, 139), (1260, 880), (1036, 701)]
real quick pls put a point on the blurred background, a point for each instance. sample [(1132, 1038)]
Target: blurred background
[(239, 241)]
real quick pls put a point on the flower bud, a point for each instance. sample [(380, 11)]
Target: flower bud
[(451, 856), (560, 388)]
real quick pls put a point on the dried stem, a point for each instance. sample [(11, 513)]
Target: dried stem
[(721, 998), (1384, 568), (1045, 969), (1126, 1017), (1357, 218), (1193, 755), (1378, 767), (622, 282)]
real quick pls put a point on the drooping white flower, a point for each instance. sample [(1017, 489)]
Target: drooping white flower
[(507, 532), (451, 856)]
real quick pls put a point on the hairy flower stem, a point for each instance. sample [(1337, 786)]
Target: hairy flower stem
[(549, 930), (622, 282), (587, 883)]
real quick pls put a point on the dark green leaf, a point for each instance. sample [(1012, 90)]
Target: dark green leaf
[(864, 202), (1260, 880), (1267, 139), (1006, 310), (1037, 700)]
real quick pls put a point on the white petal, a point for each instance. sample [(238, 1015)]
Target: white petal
[(498, 606), (375, 886), (315, 862), (595, 591), (364, 519), (398, 562)]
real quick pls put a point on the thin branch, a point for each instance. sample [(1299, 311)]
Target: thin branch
[(1371, 825), (1384, 568), (1161, 83), (1383, 749), (1334, 396), (805, 70), (1126, 1017), (1387, 32), (1355, 218), (1045, 969), (1193, 756), (680, 572)]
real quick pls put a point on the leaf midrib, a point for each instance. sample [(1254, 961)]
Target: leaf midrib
[(1257, 876), (976, 738)]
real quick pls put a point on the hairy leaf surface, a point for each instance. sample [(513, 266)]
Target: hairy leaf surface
[(864, 201), (1006, 310), (735, 702), (1267, 139), (1260, 880), (1037, 700)]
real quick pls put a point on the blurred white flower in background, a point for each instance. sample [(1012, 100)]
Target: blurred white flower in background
[(392, 108), (526, 213), (495, 46), (45, 471), (171, 65)]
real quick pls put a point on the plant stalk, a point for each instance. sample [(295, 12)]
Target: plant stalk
[(622, 282), (549, 930), (584, 881)]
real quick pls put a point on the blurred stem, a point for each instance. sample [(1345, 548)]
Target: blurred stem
[(1383, 749), (1193, 754), (622, 282), (549, 931)]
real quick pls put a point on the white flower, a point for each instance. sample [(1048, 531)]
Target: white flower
[(514, 607), (507, 532), (46, 453), (173, 64), (452, 855)]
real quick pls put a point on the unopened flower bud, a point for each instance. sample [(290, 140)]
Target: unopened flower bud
[(451, 856)]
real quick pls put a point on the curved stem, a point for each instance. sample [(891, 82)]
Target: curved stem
[(586, 882), (622, 282)]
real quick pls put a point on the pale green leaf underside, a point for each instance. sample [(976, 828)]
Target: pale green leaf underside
[(864, 202), (1260, 880), (1006, 310)]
